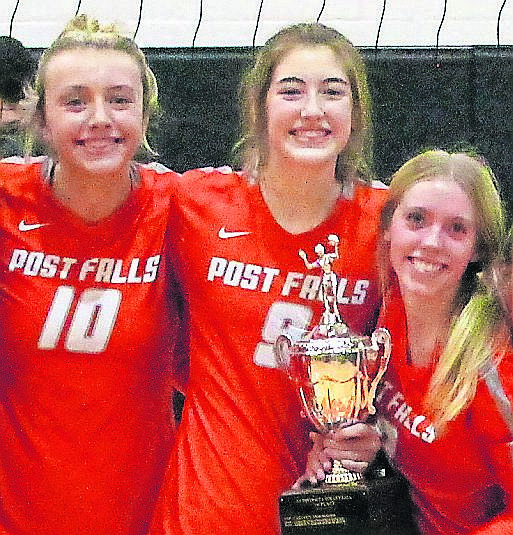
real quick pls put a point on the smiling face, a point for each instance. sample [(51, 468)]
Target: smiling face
[(308, 108), (93, 115), (432, 239)]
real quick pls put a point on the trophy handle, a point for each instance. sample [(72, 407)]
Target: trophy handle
[(380, 336), (308, 412)]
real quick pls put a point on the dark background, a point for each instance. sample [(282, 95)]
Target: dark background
[(422, 98)]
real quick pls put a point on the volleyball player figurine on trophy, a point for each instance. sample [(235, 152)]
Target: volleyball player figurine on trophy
[(337, 374)]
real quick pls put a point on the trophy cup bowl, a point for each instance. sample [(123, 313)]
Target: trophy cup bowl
[(337, 374)]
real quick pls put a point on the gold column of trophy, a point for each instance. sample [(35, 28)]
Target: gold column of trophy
[(337, 374)]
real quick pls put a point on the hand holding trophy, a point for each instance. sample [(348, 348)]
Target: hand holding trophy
[(337, 374)]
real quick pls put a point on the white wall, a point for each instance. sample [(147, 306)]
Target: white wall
[(172, 23)]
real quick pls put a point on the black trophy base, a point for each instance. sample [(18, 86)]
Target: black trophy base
[(366, 507)]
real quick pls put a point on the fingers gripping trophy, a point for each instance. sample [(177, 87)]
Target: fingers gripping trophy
[(337, 374)]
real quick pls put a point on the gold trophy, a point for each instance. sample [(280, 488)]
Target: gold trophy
[(336, 374)]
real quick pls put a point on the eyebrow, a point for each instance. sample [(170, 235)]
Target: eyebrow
[(121, 87), (463, 219), (336, 80), (325, 81), (457, 217), (111, 88)]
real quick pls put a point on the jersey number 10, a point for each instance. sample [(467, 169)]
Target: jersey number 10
[(90, 324)]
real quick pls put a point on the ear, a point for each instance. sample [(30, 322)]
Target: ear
[(386, 236)]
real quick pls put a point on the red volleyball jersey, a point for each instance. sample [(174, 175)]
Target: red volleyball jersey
[(462, 480), (87, 327), (242, 440)]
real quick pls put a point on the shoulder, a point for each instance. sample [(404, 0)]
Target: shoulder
[(213, 176), (498, 376), (16, 173), (495, 392), (208, 183), (393, 316), (360, 212), (373, 196), (365, 199), (18, 166), (23, 159), (158, 177)]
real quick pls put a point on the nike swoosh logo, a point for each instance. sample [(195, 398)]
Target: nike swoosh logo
[(24, 227), (224, 234)]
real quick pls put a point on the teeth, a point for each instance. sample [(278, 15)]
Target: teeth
[(315, 133), (426, 267), (100, 143), (97, 144), (310, 133)]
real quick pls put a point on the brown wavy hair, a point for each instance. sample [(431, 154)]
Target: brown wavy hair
[(251, 151)]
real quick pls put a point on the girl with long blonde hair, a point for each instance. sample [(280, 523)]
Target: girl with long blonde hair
[(448, 391)]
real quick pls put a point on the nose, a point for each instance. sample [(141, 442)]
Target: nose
[(100, 115), (312, 106), (432, 236)]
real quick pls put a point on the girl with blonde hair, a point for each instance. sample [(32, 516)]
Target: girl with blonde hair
[(448, 391), (86, 300)]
